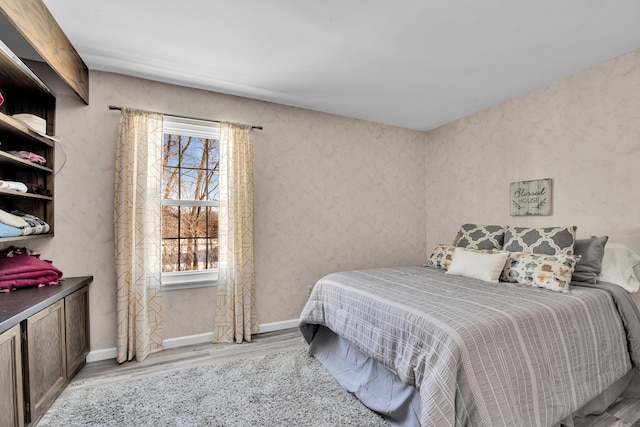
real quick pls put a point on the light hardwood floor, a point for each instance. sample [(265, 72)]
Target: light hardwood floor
[(624, 413)]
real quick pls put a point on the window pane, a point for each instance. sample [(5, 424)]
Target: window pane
[(170, 222), (170, 183), (212, 257), (213, 188), (212, 233), (213, 145), (171, 149), (202, 221), (193, 184), (190, 219), (194, 154), (169, 255), (193, 253)]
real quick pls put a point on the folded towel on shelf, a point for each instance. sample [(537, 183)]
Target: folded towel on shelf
[(29, 156), (38, 189), (14, 185), (9, 231), (34, 224), (22, 268), (12, 220)]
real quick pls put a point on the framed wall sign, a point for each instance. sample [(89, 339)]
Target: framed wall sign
[(531, 197)]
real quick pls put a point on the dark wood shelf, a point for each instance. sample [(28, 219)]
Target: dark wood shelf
[(29, 237), (14, 193), (11, 160), (16, 73), (16, 129)]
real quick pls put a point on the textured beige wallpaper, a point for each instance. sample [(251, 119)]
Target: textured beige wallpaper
[(334, 193), (582, 131), (331, 193)]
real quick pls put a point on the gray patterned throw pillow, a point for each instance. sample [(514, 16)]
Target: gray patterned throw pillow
[(474, 236), (549, 241)]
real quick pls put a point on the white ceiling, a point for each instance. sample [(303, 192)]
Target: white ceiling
[(417, 64)]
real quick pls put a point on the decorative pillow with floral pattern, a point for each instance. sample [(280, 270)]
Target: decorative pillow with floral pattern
[(442, 256), (543, 271)]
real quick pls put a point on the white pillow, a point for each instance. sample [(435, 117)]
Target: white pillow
[(617, 266), (477, 265)]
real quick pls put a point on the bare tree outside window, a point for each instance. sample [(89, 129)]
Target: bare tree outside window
[(190, 203)]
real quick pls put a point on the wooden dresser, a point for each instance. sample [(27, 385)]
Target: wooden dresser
[(44, 340)]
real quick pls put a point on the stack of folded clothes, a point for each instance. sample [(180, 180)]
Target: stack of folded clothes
[(20, 267), (18, 223), (25, 187), (14, 185), (29, 156)]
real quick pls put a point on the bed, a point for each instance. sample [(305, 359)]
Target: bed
[(424, 347)]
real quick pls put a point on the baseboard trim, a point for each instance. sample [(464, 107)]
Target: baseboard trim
[(112, 353), (277, 326), (104, 354)]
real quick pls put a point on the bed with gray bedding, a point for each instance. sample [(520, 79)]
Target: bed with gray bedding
[(479, 353)]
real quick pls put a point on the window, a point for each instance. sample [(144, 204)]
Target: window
[(190, 200)]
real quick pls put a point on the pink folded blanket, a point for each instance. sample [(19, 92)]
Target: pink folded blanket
[(22, 270)]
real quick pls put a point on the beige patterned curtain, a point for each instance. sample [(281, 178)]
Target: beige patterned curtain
[(137, 234), (235, 317)]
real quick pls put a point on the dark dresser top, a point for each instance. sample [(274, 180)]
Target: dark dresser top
[(18, 305)]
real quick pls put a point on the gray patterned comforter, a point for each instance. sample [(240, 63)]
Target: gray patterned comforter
[(479, 353)]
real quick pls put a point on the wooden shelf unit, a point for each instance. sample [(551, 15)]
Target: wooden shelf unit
[(24, 92), (44, 331)]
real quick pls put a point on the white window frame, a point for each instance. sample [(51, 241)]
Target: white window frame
[(177, 280)]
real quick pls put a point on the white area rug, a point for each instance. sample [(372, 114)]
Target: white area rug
[(282, 389)]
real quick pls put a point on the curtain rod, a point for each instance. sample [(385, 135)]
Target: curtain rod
[(113, 107)]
